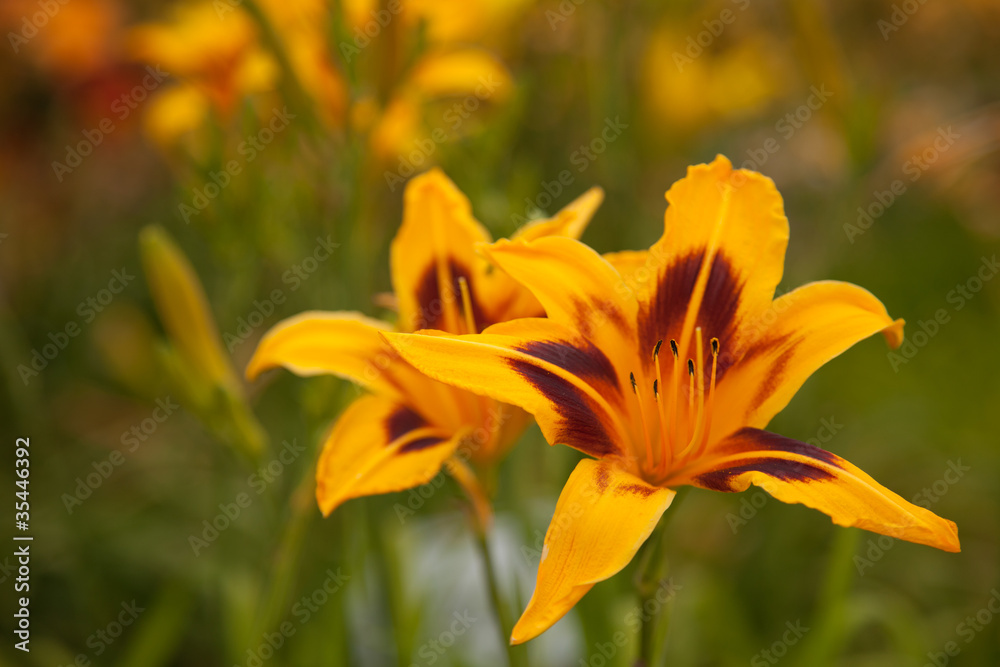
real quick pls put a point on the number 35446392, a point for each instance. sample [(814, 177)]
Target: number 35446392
[(21, 467)]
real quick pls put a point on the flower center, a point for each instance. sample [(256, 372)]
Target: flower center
[(683, 431)]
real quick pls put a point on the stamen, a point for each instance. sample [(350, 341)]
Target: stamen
[(703, 421), (673, 407), (660, 409), (642, 418), (711, 399), (690, 390), (470, 320)]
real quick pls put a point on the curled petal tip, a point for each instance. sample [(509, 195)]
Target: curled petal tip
[(894, 333)]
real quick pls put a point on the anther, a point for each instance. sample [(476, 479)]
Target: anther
[(656, 393), (656, 350), (642, 417), (673, 347), (691, 366), (715, 347)]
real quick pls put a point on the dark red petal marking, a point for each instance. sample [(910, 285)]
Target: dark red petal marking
[(786, 471), (584, 360), (663, 316), (603, 478), (402, 421), (580, 425), (753, 441), (420, 443), (764, 346), (432, 302), (599, 313), (719, 308), (636, 490)]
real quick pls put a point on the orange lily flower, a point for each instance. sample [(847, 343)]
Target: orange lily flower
[(664, 365), (401, 434)]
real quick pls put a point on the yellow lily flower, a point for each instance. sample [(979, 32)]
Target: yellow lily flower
[(215, 51), (665, 365), (409, 426)]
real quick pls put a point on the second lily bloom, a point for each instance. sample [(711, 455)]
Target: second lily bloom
[(401, 434)]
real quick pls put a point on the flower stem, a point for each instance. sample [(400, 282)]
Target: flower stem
[(515, 654), (650, 580)]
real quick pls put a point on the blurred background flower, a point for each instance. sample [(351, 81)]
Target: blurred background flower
[(258, 134)]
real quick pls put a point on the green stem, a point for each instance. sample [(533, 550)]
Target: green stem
[(516, 656), (649, 578)]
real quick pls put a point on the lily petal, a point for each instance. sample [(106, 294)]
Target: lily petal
[(435, 246), (569, 221), (796, 472), (604, 514), (567, 383), (802, 330), (378, 446), (348, 345), (578, 288), (720, 258), (505, 299)]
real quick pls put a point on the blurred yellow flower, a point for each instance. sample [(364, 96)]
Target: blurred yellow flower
[(216, 51), (471, 77), (402, 105), (688, 85)]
